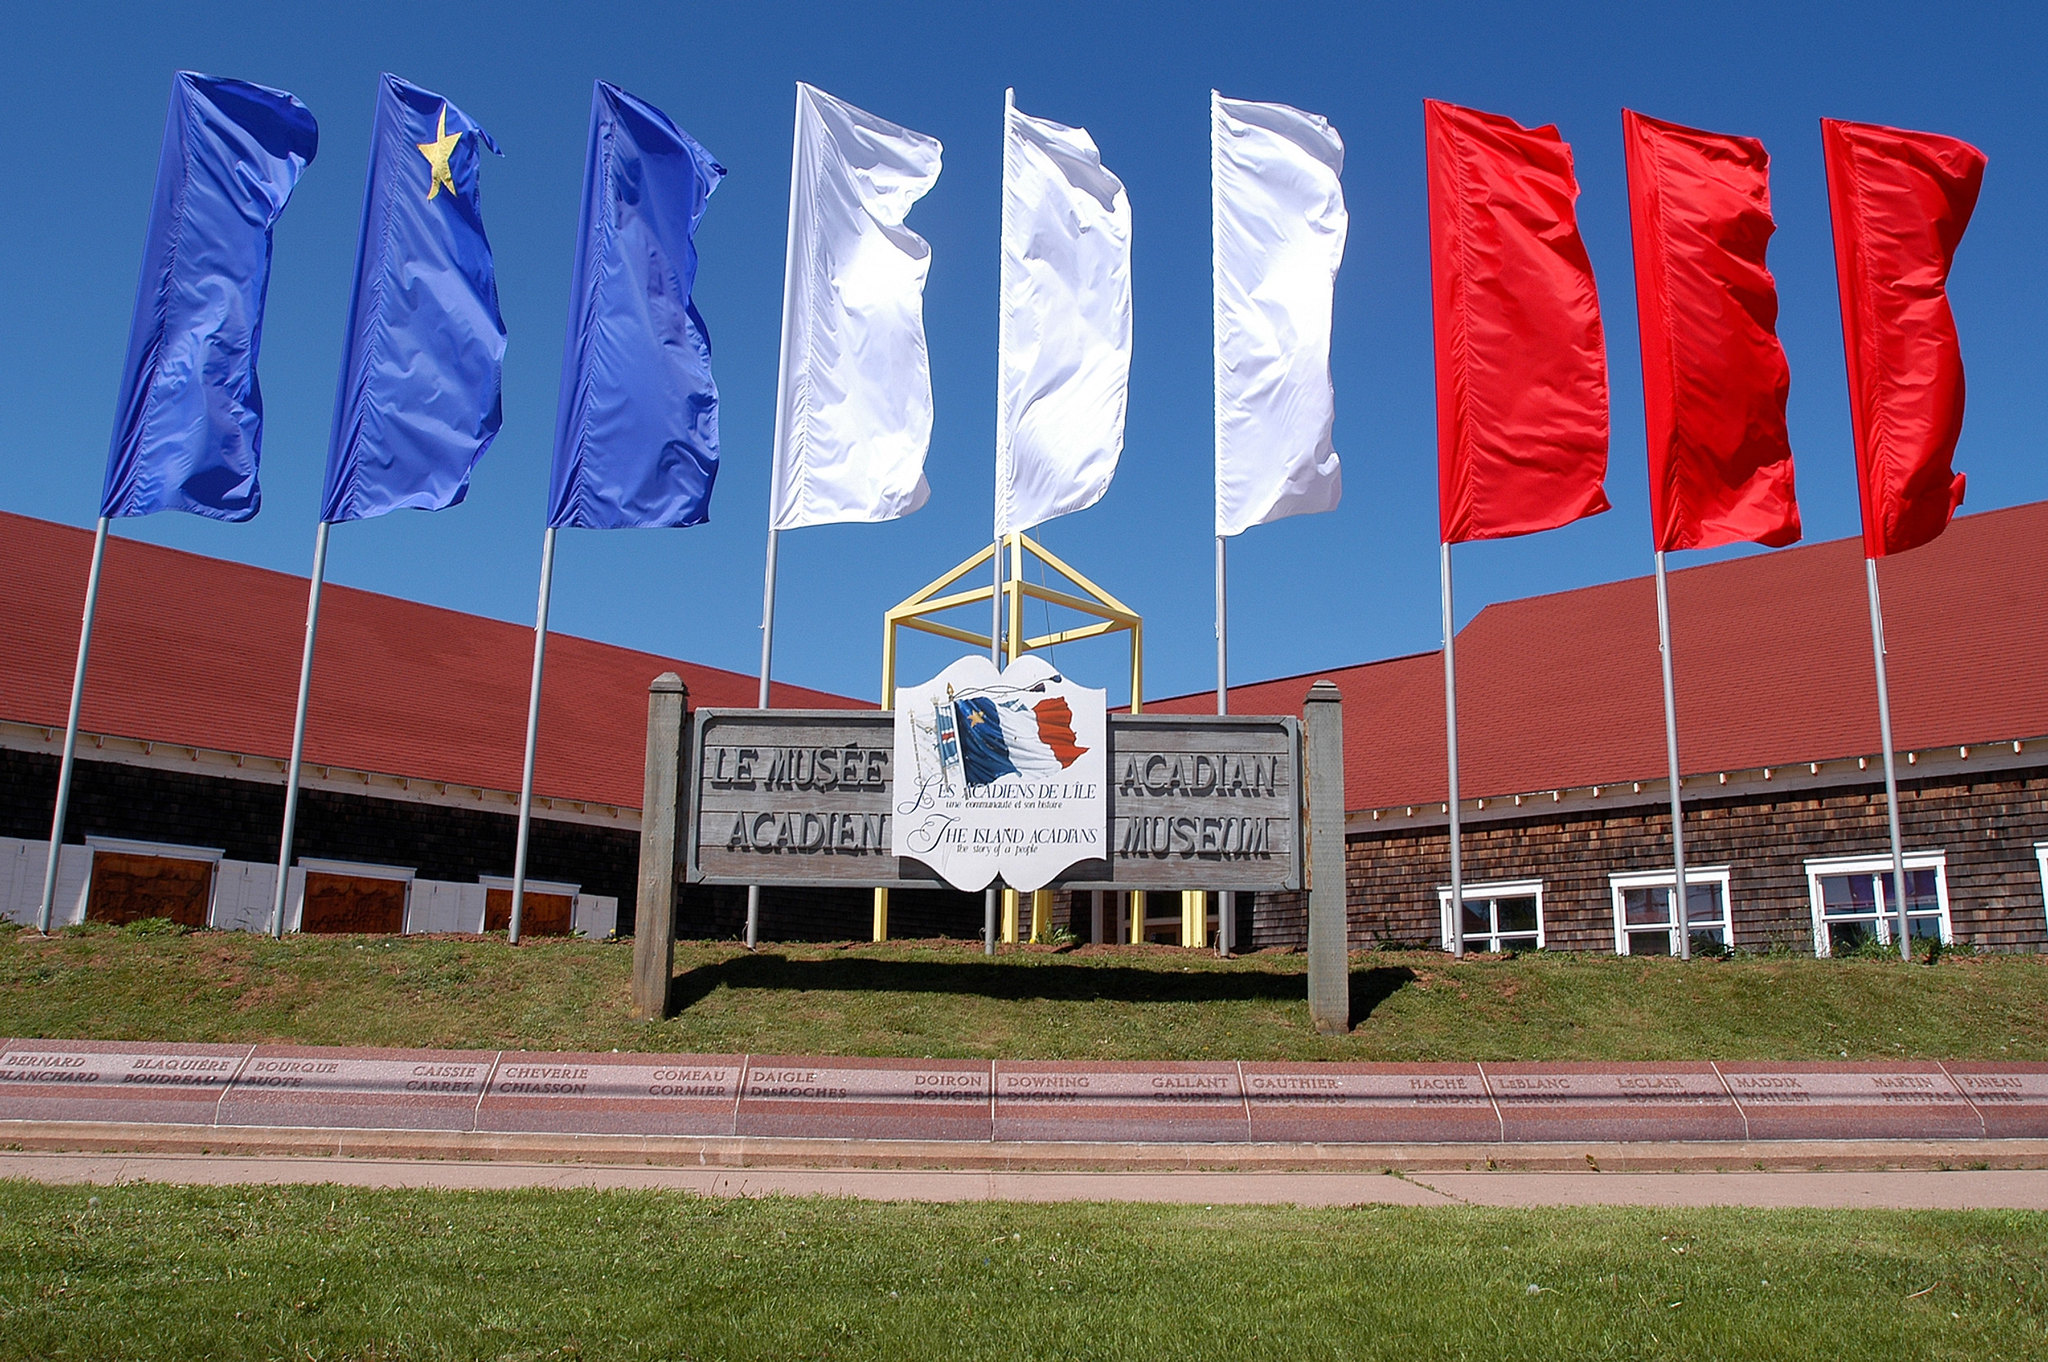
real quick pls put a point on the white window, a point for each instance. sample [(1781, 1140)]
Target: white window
[(1644, 920), (1852, 900), (1504, 916), (2041, 855)]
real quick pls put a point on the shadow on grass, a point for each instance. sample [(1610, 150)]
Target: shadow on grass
[(1004, 982), (1371, 987)]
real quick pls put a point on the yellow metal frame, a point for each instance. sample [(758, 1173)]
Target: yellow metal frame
[(946, 594), (1111, 615)]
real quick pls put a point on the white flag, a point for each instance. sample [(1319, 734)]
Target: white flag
[(1279, 228), (853, 413), (1063, 348)]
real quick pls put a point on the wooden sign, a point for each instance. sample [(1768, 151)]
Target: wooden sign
[(806, 797)]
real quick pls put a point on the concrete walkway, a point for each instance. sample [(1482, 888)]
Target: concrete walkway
[(2015, 1189)]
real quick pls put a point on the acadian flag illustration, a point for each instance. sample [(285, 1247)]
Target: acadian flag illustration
[(1015, 736), (1000, 774)]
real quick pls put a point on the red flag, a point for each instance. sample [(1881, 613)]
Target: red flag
[(1521, 372), (1714, 374), (1900, 201)]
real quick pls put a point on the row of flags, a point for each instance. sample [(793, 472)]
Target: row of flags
[(1520, 350), (1520, 353), (1522, 403), (1522, 412), (420, 394)]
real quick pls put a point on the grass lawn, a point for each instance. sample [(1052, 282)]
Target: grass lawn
[(908, 998), (143, 1271)]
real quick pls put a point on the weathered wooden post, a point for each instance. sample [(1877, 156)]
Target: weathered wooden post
[(1329, 962), (654, 912)]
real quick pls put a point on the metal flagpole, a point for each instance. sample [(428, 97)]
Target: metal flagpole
[(1226, 902), (761, 700), (540, 650), (778, 472), (1451, 762), (1891, 776), (995, 654), (1671, 760), (291, 774), (64, 765)]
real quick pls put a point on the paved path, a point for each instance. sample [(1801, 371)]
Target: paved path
[(1914, 1190)]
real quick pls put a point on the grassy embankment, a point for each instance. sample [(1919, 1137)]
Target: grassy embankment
[(907, 998), (142, 1272)]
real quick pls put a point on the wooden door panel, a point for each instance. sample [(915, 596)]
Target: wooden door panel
[(543, 914), (353, 903), (128, 887)]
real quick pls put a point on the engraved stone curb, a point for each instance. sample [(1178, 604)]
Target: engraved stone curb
[(366, 1087), (1370, 1103), (612, 1094), (1135, 1100), (856, 1098), (105, 1080)]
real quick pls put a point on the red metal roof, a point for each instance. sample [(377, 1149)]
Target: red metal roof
[(1772, 664), (203, 652)]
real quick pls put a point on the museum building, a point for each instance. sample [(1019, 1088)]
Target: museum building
[(414, 741), (1565, 810), (416, 727)]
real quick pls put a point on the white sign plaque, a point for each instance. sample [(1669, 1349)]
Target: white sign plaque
[(1000, 774)]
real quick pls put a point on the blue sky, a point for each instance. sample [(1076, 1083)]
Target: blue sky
[(83, 102)]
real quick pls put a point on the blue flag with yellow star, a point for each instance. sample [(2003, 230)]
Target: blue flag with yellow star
[(636, 429), (422, 373), (188, 430)]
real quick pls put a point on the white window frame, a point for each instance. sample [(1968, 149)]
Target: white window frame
[(555, 887), (1880, 865), (168, 851), (1617, 885), (1493, 889), (2041, 855)]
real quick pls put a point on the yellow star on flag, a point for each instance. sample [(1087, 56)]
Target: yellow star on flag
[(437, 153)]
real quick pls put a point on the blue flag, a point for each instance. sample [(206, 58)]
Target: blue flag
[(636, 431), (984, 751), (422, 375), (188, 430)]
